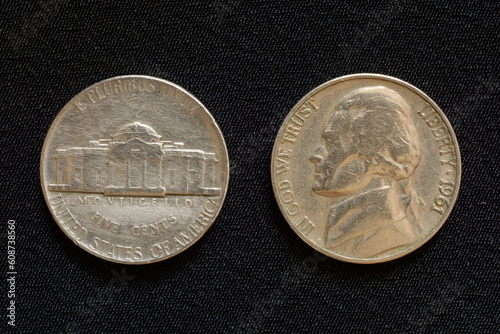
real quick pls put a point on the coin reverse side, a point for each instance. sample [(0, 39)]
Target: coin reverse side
[(366, 168), (134, 169)]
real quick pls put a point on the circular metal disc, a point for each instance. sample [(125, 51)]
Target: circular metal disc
[(134, 169), (366, 168)]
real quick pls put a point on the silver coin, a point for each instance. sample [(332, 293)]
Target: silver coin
[(134, 169), (366, 168)]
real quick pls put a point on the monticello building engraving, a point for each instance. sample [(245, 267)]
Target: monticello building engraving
[(135, 162)]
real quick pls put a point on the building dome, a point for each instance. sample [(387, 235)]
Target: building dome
[(136, 130)]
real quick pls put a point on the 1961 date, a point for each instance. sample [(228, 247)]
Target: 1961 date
[(442, 199)]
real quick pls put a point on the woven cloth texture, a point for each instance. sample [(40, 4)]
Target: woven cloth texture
[(249, 62)]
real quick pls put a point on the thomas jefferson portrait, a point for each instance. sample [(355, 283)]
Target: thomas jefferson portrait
[(368, 153)]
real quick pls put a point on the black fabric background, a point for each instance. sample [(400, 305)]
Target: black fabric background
[(249, 62)]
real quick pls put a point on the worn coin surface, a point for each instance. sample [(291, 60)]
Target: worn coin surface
[(366, 168), (134, 169)]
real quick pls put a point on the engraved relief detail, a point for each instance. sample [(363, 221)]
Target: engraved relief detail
[(135, 162), (365, 163)]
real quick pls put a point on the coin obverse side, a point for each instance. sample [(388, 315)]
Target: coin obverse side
[(134, 169), (366, 168)]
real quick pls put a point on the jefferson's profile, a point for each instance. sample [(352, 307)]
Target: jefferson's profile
[(368, 154)]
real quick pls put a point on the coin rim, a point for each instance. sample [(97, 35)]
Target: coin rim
[(59, 117), (426, 99)]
